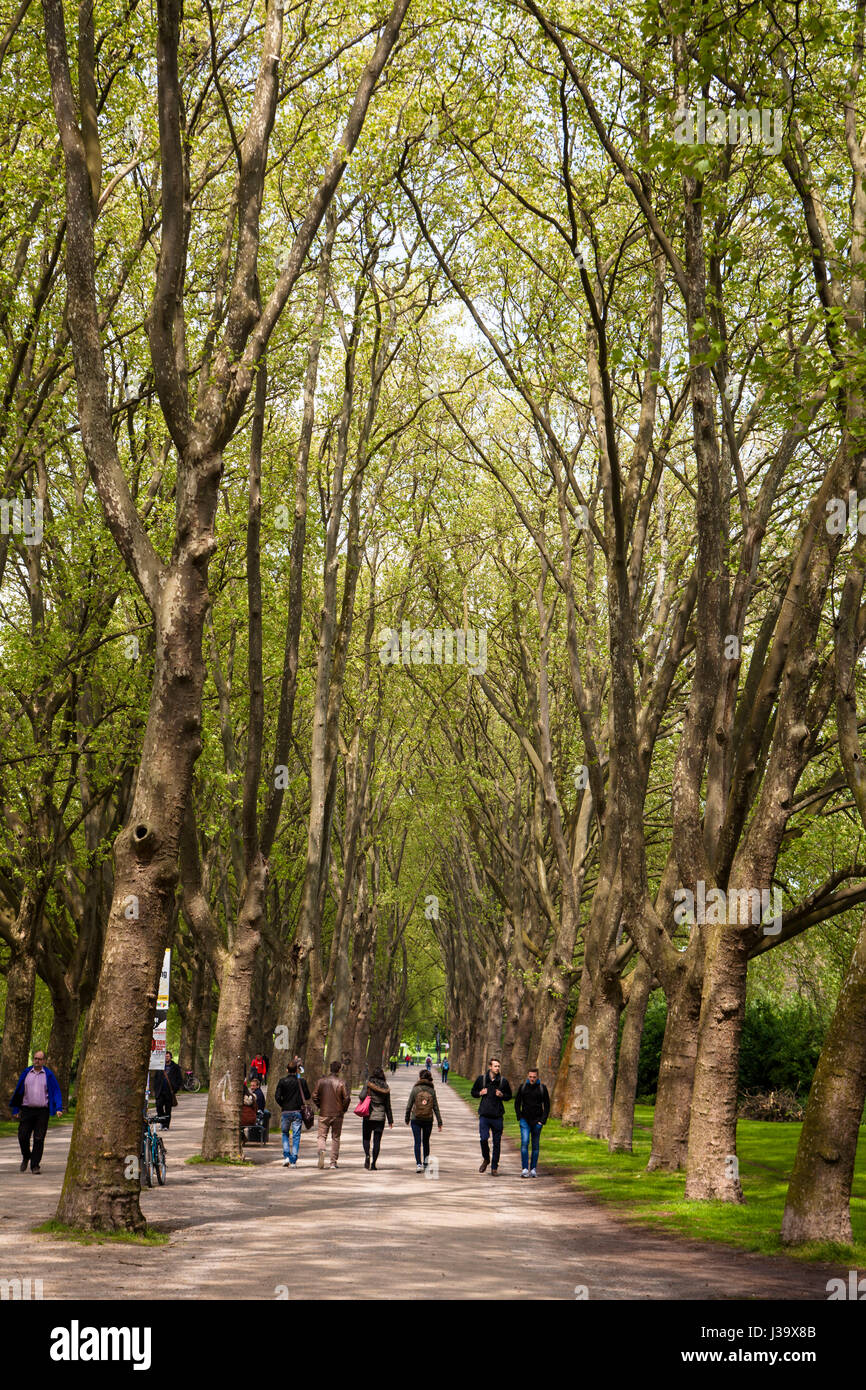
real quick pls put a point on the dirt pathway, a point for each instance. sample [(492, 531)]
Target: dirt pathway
[(266, 1232)]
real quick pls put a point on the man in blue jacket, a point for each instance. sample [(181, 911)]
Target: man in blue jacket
[(37, 1096)]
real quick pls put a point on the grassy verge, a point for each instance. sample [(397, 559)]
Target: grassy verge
[(61, 1232), (766, 1154), (228, 1162), (9, 1128)]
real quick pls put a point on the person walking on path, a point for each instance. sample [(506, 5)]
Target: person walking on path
[(408, 1058), (532, 1108), (428, 1061), (332, 1101), (164, 1095), (446, 1067), (173, 1072), (494, 1091), (37, 1096), (392, 1063), (292, 1090), (373, 1123), (421, 1106)]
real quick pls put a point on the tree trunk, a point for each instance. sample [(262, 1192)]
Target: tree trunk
[(336, 1045), (569, 1078), (676, 1077), (818, 1204), (222, 1125), (191, 1022), (320, 1019), (61, 1043), (202, 1043), (511, 1016), (598, 1075), (713, 1171), (18, 1025), (622, 1127)]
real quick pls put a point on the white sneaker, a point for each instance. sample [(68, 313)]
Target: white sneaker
[(419, 1168), (321, 1158), (533, 1173), (525, 1173), (287, 1163)]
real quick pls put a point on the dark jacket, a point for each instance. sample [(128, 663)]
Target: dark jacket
[(410, 1104), (331, 1097), (492, 1107), (291, 1092), (532, 1103), (380, 1101), (175, 1076), (55, 1099), (162, 1089)]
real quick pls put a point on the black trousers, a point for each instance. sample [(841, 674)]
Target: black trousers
[(163, 1107), (33, 1125), (421, 1131), (376, 1129)]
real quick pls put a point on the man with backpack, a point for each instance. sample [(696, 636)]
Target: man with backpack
[(421, 1106), (494, 1091), (532, 1108)]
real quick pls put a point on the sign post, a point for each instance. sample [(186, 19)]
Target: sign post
[(160, 1025)]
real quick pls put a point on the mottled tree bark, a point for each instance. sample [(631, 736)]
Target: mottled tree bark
[(622, 1122)]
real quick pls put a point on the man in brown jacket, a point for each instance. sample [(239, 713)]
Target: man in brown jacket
[(332, 1100)]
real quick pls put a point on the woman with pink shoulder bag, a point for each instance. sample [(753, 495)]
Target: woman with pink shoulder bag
[(374, 1107)]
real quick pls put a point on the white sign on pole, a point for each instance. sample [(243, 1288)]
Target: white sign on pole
[(158, 1040), (164, 977), (157, 1047)]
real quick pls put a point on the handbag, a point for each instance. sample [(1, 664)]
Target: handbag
[(308, 1114), (363, 1107)]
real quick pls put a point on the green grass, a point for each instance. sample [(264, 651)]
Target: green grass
[(766, 1153), (56, 1228), (9, 1128), (229, 1162)]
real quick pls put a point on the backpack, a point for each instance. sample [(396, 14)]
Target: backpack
[(423, 1105)]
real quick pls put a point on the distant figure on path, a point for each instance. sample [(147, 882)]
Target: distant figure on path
[(421, 1106), (173, 1072), (446, 1067), (392, 1063), (332, 1101), (292, 1090), (259, 1067), (428, 1061), (532, 1108), (373, 1123), (494, 1091), (37, 1095), (408, 1058), (164, 1095)]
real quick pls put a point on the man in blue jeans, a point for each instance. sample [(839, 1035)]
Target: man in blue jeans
[(292, 1090), (494, 1091), (532, 1108)]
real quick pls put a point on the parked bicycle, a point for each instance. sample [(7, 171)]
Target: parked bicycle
[(191, 1081), (153, 1158)]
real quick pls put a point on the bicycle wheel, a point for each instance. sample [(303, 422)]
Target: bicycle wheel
[(192, 1083), (147, 1162), (159, 1162)]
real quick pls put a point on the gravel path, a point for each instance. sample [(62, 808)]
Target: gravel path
[(270, 1232)]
